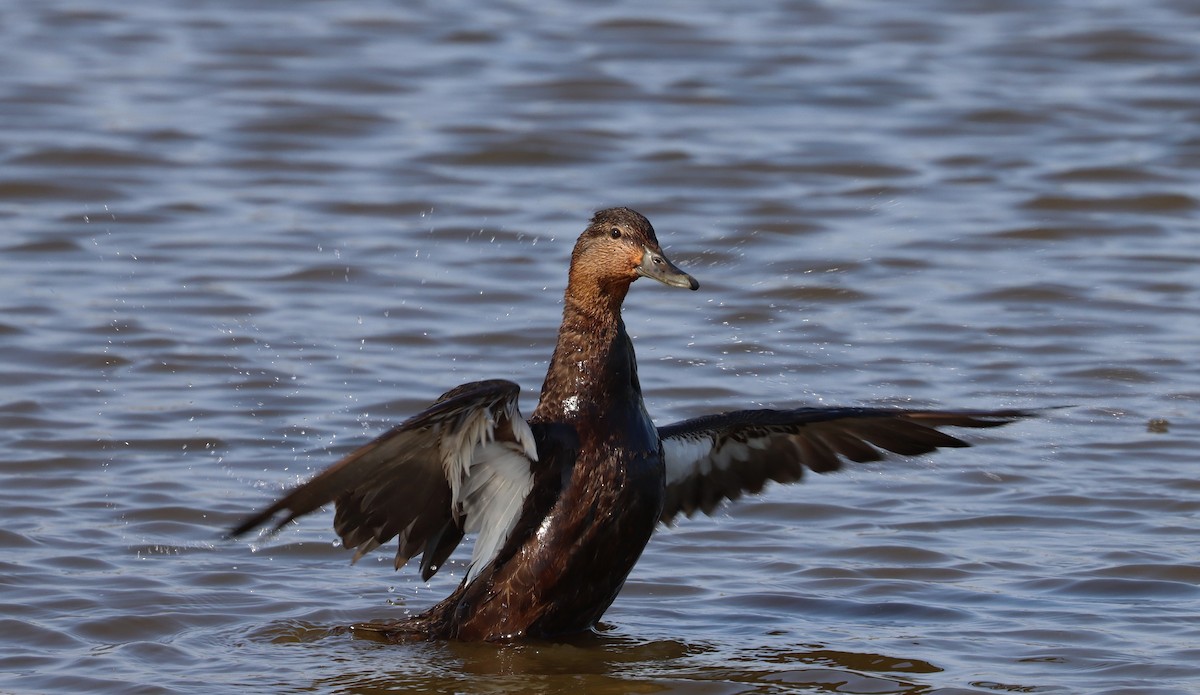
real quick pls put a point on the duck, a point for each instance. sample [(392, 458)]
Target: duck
[(563, 504)]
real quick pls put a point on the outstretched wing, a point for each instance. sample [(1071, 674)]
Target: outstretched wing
[(461, 466), (718, 457)]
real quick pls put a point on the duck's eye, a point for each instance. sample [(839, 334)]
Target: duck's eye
[(614, 233)]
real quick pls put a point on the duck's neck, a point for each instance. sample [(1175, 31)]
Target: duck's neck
[(593, 365)]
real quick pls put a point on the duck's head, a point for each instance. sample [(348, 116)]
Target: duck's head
[(618, 247)]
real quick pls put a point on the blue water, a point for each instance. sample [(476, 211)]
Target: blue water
[(240, 240)]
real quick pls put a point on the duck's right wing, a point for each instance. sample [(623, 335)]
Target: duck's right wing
[(463, 465), (719, 457)]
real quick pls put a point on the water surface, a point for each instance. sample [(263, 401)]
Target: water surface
[(240, 240)]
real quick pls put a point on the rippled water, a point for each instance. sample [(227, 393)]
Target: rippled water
[(239, 240)]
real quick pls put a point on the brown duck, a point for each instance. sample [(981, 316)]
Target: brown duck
[(563, 504)]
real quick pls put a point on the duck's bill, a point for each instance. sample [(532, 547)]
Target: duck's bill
[(656, 267)]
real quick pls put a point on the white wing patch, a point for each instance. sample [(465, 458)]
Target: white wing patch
[(699, 455), (682, 455), (489, 479), (494, 493)]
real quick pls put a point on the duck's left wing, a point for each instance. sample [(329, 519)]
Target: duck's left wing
[(462, 465), (719, 457)]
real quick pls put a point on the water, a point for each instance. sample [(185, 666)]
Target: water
[(240, 240)]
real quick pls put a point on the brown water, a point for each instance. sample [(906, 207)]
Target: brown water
[(238, 240)]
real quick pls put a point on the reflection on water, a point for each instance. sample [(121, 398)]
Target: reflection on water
[(238, 241), (606, 663)]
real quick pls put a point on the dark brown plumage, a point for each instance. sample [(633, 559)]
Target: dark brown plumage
[(565, 503)]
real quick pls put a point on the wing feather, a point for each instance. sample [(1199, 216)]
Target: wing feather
[(715, 458), (462, 465)]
